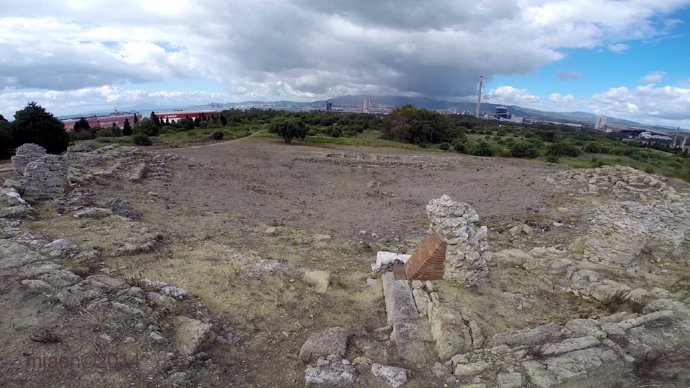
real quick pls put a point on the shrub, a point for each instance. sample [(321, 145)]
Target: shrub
[(335, 131), (444, 146), (218, 135), (147, 127), (103, 132), (523, 150), (551, 158), (483, 149), (563, 149), (460, 146), (141, 139)]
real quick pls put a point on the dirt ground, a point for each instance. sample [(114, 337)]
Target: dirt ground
[(332, 208)]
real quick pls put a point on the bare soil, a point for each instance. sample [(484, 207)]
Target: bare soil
[(212, 217)]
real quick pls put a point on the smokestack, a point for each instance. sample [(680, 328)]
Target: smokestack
[(479, 96)]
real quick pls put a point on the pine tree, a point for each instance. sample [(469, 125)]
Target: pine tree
[(127, 128)]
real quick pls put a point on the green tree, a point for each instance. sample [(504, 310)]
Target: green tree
[(136, 119), (289, 128), (127, 128), (34, 124), (483, 149), (5, 136), (81, 124)]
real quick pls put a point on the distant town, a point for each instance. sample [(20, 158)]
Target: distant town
[(638, 133)]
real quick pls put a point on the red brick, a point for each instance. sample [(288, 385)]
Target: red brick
[(427, 263)]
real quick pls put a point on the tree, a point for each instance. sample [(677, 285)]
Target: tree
[(289, 128), (155, 119), (223, 120), (34, 125), (81, 124), (136, 119), (5, 136), (127, 128)]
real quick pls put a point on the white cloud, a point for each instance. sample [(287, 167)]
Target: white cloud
[(305, 49), (508, 95), (653, 77), (618, 47), (567, 99), (568, 75), (648, 104)]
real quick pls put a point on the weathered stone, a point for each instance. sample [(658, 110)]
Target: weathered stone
[(512, 256), (449, 331), (477, 336), (122, 208), (391, 375), (421, 299), (81, 147), (471, 369), (12, 197), (585, 327), (191, 335), (569, 345), (318, 279), (76, 295), (519, 229), (510, 380), (38, 286), (329, 341), (467, 250), (45, 178), (536, 336), (538, 375), (331, 371), (60, 278), (16, 212), (12, 184), (76, 199), (95, 213), (14, 255), (271, 231), (138, 173), (25, 154)]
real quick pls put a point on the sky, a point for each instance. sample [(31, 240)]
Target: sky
[(628, 59)]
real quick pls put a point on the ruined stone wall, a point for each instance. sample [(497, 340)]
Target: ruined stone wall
[(467, 252)]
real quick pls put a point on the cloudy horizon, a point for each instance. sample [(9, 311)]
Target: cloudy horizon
[(615, 58)]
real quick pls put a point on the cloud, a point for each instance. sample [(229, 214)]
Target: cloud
[(508, 95), (647, 103), (103, 98), (567, 99), (305, 49), (653, 77), (568, 75), (618, 47)]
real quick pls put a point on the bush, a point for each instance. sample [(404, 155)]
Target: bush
[(141, 139), (218, 135), (460, 146), (104, 132), (335, 132), (147, 127), (563, 149), (483, 149), (523, 150), (444, 146)]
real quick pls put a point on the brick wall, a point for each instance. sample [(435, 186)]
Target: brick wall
[(427, 263)]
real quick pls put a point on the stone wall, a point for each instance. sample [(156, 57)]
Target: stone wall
[(467, 251)]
